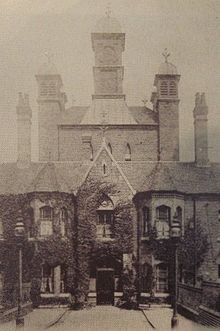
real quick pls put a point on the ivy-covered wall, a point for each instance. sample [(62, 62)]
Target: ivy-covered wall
[(90, 251), (53, 250)]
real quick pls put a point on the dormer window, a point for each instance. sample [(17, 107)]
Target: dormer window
[(46, 221)]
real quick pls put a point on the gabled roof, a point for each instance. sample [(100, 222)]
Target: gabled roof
[(139, 176), (143, 115), (184, 177), (105, 148)]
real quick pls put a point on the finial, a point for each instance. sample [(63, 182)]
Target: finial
[(108, 10), (49, 56), (103, 128), (166, 55)]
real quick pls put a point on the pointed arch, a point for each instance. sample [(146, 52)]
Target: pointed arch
[(128, 152)]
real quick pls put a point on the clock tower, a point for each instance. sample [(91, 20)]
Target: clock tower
[(108, 43), (108, 101)]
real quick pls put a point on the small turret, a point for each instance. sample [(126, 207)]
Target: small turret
[(24, 115), (166, 103), (200, 113)]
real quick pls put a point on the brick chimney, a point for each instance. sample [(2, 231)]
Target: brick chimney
[(24, 115), (200, 113)]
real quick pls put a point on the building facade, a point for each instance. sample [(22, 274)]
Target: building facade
[(84, 234)]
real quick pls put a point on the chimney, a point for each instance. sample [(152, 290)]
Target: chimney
[(24, 115), (200, 113)]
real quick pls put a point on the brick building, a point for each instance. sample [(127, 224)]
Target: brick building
[(134, 148)]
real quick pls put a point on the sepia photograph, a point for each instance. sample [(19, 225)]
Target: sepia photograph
[(109, 165)]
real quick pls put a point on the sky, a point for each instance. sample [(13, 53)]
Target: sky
[(189, 29)]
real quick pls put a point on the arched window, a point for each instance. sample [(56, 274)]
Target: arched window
[(63, 221), (163, 221), (173, 89), (105, 219), (46, 221), (145, 216), (128, 153), (91, 152), (164, 88), (110, 148), (162, 278)]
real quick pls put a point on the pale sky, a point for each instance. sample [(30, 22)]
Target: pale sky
[(190, 29)]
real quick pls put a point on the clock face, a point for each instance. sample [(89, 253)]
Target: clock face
[(108, 55)]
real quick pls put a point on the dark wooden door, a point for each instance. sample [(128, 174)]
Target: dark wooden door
[(105, 286)]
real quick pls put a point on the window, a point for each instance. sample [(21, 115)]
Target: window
[(1, 229), (145, 215), (47, 283), (164, 88), (146, 277), (48, 89), (31, 224), (46, 217), (105, 220), (104, 168), (91, 152), (162, 278), (219, 215), (128, 153), (63, 221), (163, 221), (173, 89), (110, 148)]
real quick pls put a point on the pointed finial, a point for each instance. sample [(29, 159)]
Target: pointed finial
[(49, 56), (166, 55), (108, 10)]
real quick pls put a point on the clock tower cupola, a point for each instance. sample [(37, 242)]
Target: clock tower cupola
[(108, 43)]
